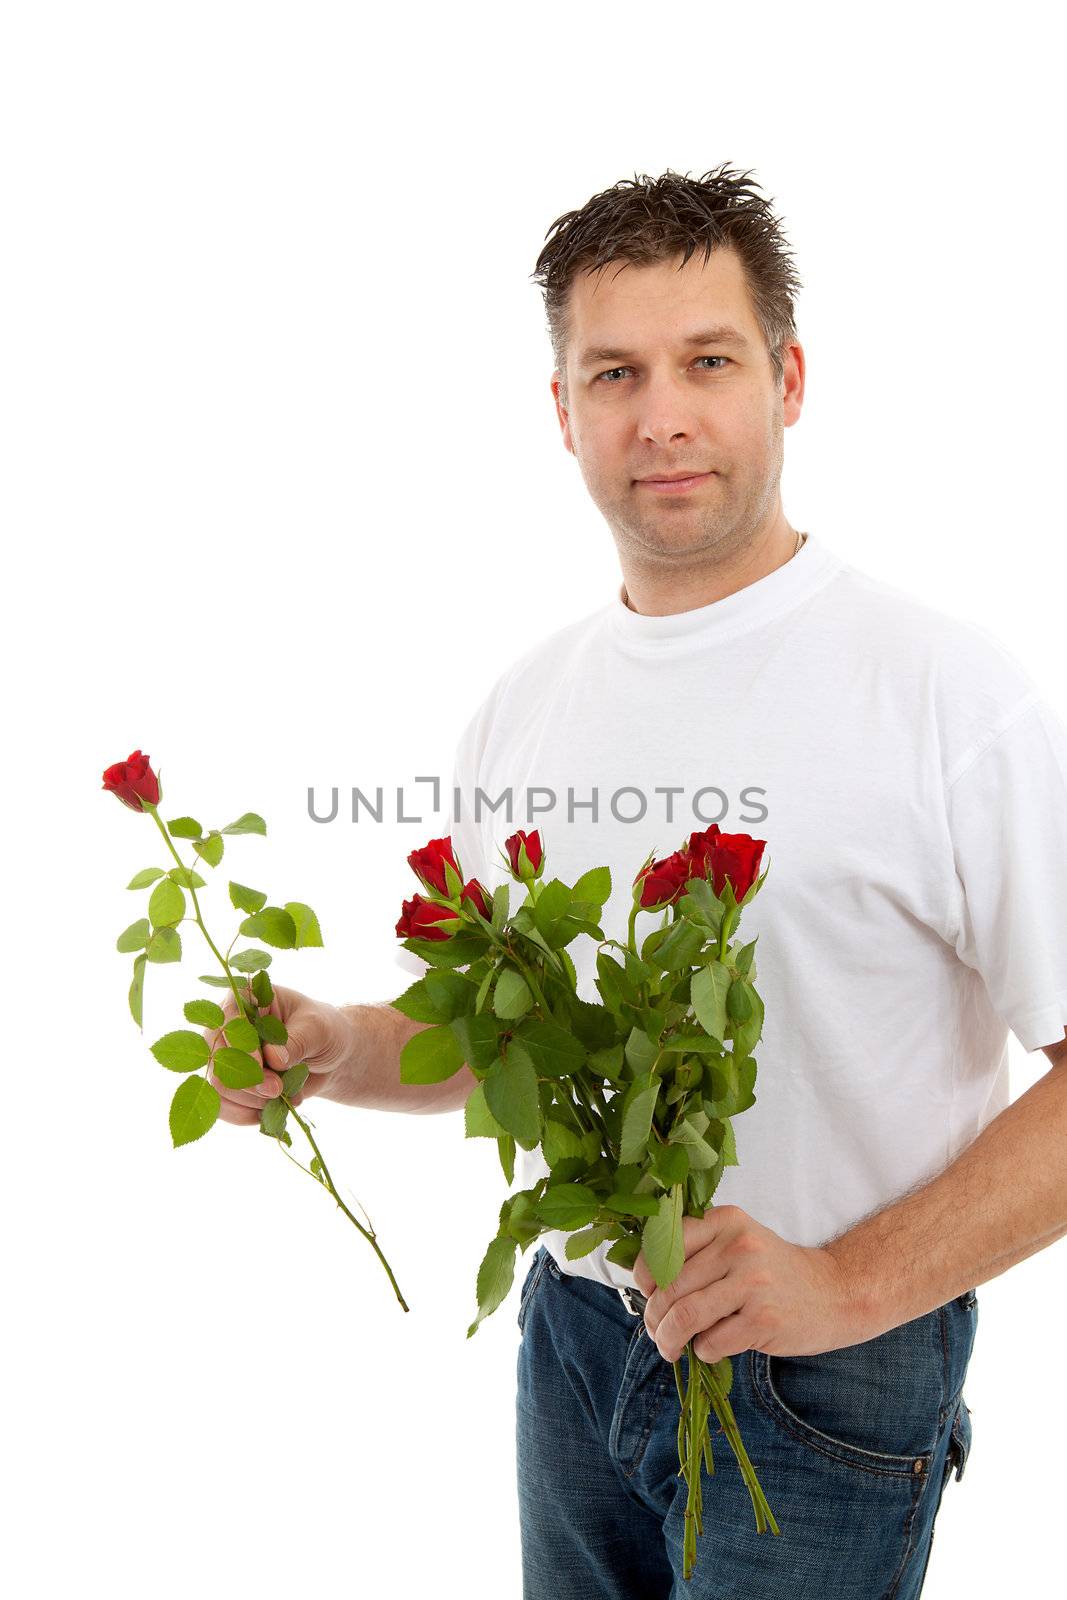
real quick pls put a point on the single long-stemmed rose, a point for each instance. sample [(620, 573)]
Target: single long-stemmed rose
[(155, 938), (629, 1101)]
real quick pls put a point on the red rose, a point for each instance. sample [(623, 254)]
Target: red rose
[(663, 881), (735, 856), (699, 849), (419, 919), (133, 781), (534, 854), (429, 863), (478, 897)]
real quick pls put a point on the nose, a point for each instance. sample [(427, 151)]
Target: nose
[(666, 413)]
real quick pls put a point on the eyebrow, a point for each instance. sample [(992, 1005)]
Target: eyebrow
[(721, 335)]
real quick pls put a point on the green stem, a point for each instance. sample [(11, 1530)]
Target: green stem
[(369, 1236), (196, 904)]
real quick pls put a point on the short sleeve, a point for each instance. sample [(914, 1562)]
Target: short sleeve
[(1007, 814)]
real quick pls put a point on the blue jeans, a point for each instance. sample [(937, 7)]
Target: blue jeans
[(853, 1449)]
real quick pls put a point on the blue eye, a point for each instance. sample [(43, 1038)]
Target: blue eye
[(610, 370)]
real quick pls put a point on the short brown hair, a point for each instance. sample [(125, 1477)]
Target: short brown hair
[(648, 220)]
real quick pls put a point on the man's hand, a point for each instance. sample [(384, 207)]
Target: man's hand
[(743, 1287)]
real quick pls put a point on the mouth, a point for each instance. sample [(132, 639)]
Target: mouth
[(674, 483)]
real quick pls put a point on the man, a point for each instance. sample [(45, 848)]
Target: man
[(910, 782)]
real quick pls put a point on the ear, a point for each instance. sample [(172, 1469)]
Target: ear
[(792, 383), (561, 411)]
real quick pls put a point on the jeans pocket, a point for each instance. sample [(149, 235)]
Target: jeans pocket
[(960, 1443), (533, 1278), (875, 1406)]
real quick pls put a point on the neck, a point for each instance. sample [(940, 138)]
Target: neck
[(655, 592)]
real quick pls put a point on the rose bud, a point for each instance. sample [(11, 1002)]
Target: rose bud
[(478, 896), (425, 919), (525, 855), (429, 863), (699, 849), (133, 781), (663, 881), (735, 856)]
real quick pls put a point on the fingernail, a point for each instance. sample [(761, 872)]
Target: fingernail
[(283, 1056)]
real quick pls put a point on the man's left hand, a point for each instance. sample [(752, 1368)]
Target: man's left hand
[(743, 1287)]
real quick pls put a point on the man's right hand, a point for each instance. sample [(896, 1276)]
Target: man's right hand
[(319, 1034)]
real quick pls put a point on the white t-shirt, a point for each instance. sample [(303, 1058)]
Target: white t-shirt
[(911, 784)]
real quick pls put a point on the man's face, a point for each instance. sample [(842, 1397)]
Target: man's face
[(644, 401)]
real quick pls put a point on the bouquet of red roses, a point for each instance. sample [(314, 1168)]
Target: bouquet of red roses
[(630, 1101)]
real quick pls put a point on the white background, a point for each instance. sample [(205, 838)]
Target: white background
[(284, 494)]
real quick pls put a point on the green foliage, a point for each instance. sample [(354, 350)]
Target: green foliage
[(193, 1110), (430, 1056), (495, 1277), (182, 1051)]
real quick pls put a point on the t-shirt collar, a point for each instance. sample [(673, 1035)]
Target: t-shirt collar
[(757, 603)]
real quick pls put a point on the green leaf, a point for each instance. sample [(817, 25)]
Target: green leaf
[(437, 996), (245, 899), (272, 1117), (205, 1012), (581, 1244), (554, 1051), (633, 1204), (478, 1120), (747, 1034), (307, 924), (430, 1056), (248, 823), (166, 906), (512, 1097), (263, 989), (250, 960), (295, 1077), (479, 1038), (185, 828), (271, 1030), (670, 1163), (739, 1006), (637, 1112), (506, 1151), (560, 1143), (210, 849), (700, 1153), (216, 983), (624, 1252), (193, 1110), (511, 997), (594, 885), (273, 925), (607, 1063), (663, 1240), (186, 878), (501, 905), (165, 945), (236, 1068), (141, 880), (182, 1051), (732, 1081), (135, 937), (495, 1277), (568, 1206), (241, 1034), (709, 998), (701, 904), (136, 996)]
